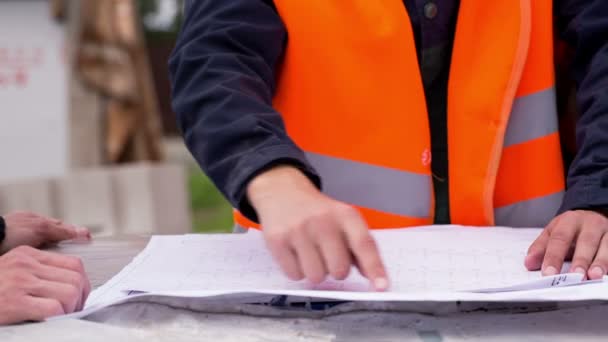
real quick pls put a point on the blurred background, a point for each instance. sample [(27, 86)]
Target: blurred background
[(87, 131)]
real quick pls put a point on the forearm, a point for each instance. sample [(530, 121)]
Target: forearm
[(223, 76), (584, 26)]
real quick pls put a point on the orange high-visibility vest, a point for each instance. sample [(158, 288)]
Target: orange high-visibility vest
[(351, 96)]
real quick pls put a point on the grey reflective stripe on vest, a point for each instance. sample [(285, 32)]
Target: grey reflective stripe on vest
[(533, 116), (375, 187), (534, 213), (238, 229)]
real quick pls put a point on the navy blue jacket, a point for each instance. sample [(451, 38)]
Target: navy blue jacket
[(223, 72)]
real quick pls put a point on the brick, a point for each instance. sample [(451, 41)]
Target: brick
[(152, 199), (86, 198), (28, 195)]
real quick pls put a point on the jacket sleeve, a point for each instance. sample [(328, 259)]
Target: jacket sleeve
[(223, 80), (584, 26)]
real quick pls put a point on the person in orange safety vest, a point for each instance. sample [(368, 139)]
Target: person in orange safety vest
[(320, 119)]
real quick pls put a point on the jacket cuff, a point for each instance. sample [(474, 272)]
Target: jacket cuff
[(586, 194), (2, 229), (263, 160)]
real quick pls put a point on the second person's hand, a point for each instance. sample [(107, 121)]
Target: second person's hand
[(29, 229), (37, 284), (311, 235)]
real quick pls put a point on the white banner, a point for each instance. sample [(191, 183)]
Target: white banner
[(33, 92)]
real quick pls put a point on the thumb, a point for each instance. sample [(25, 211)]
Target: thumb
[(536, 252)]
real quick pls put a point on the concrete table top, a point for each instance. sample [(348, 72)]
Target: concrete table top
[(182, 321)]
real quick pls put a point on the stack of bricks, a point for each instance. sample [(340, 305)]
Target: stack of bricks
[(125, 200)]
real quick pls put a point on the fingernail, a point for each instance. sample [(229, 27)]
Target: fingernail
[(83, 233), (549, 271), (381, 284), (580, 270), (596, 272)]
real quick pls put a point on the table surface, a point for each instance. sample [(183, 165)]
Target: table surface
[(351, 322)]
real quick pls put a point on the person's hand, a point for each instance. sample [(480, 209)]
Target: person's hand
[(28, 229), (579, 234), (311, 235), (35, 285)]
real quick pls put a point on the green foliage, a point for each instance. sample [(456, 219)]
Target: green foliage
[(211, 213)]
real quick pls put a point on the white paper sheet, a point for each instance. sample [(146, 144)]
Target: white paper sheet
[(433, 263)]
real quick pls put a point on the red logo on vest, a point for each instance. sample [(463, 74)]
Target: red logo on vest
[(426, 157)]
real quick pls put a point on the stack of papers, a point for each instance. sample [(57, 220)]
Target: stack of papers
[(447, 263)]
